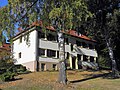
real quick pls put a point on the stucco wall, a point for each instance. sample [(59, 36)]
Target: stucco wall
[(27, 51)]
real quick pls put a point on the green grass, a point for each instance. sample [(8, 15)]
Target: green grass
[(47, 81)]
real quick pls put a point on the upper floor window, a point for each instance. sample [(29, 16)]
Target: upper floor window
[(91, 46), (78, 43), (51, 53), (41, 35), (51, 37), (57, 54), (84, 45), (20, 39), (71, 47), (66, 41), (19, 55), (41, 52)]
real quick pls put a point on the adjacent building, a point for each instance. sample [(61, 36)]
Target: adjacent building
[(38, 49), (5, 50)]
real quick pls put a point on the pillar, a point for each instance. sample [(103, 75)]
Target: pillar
[(45, 52), (70, 58), (76, 63)]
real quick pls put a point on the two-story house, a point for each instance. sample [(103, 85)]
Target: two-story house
[(39, 50)]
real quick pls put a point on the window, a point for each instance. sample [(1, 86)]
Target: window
[(71, 47), (91, 46), (91, 59), (78, 43), (66, 41), (67, 56), (51, 53), (54, 66), (41, 52), (42, 67), (41, 35), (85, 58), (57, 54), (21, 39), (84, 45), (19, 55), (79, 57), (51, 37)]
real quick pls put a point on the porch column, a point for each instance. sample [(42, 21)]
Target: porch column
[(70, 58), (56, 54), (76, 63), (95, 58), (81, 57), (88, 58), (45, 52)]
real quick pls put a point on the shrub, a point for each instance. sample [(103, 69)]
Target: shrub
[(2, 71), (8, 76), (104, 62)]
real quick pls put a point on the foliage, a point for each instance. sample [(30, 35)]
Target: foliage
[(105, 25), (6, 61), (104, 62), (7, 76)]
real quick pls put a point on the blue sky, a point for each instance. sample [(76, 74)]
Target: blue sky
[(3, 3)]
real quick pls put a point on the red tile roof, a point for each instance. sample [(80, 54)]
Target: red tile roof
[(5, 46), (37, 23), (70, 32), (73, 33)]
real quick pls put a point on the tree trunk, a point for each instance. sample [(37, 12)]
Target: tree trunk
[(115, 73), (62, 70)]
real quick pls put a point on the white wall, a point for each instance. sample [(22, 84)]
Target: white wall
[(27, 52)]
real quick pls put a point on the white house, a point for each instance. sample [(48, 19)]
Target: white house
[(38, 50)]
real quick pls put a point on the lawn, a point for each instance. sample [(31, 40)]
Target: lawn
[(78, 80)]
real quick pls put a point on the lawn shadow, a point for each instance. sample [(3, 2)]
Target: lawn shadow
[(15, 79), (92, 76)]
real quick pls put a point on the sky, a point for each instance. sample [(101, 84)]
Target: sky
[(3, 3)]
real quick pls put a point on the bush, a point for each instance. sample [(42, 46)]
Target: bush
[(8, 76), (104, 62), (2, 71), (17, 68)]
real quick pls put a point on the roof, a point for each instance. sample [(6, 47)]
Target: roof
[(5, 46), (75, 33), (69, 32)]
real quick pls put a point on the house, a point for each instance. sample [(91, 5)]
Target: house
[(5, 50), (39, 50)]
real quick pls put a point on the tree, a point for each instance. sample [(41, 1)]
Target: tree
[(63, 15), (105, 25)]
